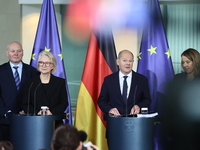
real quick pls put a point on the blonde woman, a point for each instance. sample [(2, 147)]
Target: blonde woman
[(45, 89)]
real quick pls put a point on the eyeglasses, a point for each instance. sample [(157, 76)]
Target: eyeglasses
[(47, 64)]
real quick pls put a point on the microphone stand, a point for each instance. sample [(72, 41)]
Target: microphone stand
[(35, 97), (134, 95), (29, 90), (126, 101)]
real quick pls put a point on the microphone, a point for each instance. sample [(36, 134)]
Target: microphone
[(83, 135), (29, 91), (35, 97)]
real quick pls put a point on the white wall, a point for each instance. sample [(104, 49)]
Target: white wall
[(9, 25), (30, 17), (124, 38), (127, 39)]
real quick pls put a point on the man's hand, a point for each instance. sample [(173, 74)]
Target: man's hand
[(114, 111), (8, 114), (135, 110), (22, 112)]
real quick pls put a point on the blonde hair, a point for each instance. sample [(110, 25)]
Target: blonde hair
[(51, 57)]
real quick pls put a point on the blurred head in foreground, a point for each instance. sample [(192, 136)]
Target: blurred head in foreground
[(66, 137), (6, 145), (182, 115)]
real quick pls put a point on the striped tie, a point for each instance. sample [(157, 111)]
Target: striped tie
[(16, 76)]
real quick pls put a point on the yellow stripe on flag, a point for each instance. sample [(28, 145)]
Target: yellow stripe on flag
[(88, 120)]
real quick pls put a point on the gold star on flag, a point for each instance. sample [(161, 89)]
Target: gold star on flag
[(46, 49), (152, 50), (168, 53), (67, 114), (139, 55), (61, 56), (157, 122), (33, 56)]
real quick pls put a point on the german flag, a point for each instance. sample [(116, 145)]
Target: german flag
[(100, 62)]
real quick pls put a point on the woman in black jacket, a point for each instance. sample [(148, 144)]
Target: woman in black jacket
[(45, 89)]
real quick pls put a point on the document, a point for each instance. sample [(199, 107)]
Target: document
[(149, 115)]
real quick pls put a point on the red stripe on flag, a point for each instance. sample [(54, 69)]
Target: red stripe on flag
[(95, 69)]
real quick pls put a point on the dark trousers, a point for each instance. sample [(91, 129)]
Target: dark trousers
[(4, 132)]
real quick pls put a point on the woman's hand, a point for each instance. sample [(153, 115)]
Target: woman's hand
[(47, 112), (22, 112)]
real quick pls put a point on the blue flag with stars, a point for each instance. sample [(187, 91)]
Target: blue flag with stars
[(47, 39), (154, 61)]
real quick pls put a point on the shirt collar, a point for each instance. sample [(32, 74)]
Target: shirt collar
[(19, 65), (121, 75)]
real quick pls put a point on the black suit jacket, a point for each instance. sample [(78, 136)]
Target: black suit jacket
[(10, 98), (110, 95), (53, 95)]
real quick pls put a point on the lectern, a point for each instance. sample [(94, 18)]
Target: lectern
[(32, 132), (129, 133)]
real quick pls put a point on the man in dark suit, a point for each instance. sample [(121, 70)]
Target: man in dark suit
[(10, 92), (111, 99)]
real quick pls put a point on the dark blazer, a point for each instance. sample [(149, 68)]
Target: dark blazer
[(110, 95), (53, 95), (182, 77), (10, 98)]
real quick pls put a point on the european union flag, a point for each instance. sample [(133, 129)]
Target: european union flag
[(47, 39), (155, 63), (154, 57)]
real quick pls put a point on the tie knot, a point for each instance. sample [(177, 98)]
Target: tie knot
[(125, 77), (15, 67)]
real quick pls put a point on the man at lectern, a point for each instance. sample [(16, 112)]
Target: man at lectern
[(124, 92)]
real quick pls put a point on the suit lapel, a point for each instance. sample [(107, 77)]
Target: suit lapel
[(40, 91), (133, 88), (116, 86), (24, 73), (51, 86), (10, 74)]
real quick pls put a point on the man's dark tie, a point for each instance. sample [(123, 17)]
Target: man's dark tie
[(16, 77), (124, 93)]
